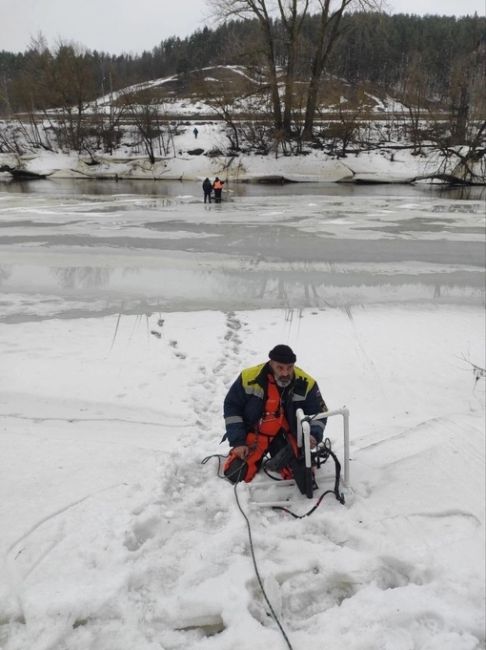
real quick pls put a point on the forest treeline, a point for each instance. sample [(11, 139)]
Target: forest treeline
[(393, 52)]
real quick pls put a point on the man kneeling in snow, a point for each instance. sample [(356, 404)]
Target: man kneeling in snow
[(260, 416)]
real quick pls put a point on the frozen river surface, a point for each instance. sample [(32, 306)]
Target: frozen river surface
[(85, 252)]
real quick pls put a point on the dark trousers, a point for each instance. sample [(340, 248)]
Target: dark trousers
[(207, 196), (217, 196)]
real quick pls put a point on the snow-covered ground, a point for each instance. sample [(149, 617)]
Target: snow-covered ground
[(115, 536)]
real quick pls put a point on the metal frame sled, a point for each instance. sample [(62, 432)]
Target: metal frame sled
[(262, 494)]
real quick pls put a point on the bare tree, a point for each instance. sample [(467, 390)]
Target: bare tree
[(145, 118), (144, 112), (292, 17), (329, 16), (345, 129), (467, 87), (4, 93), (461, 137), (287, 17), (413, 96), (262, 11), (72, 76), (229, 100)]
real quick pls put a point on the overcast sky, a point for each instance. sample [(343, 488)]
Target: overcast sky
[(116, 26)]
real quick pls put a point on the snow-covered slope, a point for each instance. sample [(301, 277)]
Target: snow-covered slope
[(201, 99)]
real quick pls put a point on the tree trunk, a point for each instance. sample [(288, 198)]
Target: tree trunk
[(328, 32), (462, 113), (289, 90), (293, 25), (272, 70)]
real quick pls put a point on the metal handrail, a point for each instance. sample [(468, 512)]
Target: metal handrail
[(303, 435)]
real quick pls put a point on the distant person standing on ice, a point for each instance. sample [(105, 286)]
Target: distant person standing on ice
[(218, 188), (260, 416), (195, 131), (207, 189)]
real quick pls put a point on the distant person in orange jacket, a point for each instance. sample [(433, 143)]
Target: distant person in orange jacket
[(218, 188)]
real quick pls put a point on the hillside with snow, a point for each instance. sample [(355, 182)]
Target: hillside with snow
[(217, 122)]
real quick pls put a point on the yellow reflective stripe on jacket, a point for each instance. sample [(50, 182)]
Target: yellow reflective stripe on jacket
[(249, 375)]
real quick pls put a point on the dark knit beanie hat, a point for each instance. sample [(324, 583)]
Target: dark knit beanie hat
[(282, 354)]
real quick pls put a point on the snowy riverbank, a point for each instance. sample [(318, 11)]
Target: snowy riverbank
[(191, 159)]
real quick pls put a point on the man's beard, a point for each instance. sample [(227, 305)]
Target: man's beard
[(283, 381)]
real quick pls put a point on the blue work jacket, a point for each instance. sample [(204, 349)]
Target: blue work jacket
[(245, 401)]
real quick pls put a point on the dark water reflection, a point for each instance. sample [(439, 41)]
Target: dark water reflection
[(71, 187)]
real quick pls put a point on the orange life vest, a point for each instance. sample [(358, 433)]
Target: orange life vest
[(217, 185), (273, 419)]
